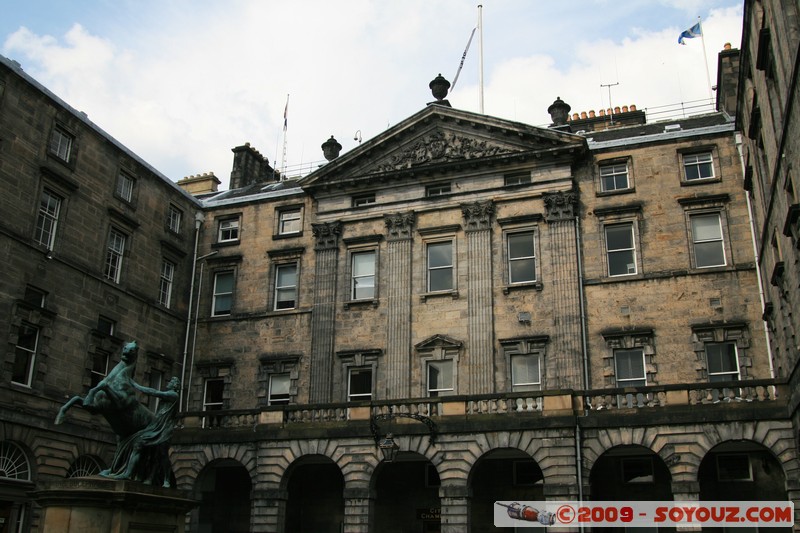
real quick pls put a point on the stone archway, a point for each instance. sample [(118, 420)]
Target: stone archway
[(224, 489), (741, 470), (315, 490), (501, 474), (407, 495), (630, 473)]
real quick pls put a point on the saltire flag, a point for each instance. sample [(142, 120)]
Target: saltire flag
[(463, 57), (286, 113), (691, 33)]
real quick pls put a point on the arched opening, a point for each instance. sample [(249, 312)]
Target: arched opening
[(316, 495), (223, 488), (407, 495), (15, 482), (503, 474), (84, 466), (741, 470)]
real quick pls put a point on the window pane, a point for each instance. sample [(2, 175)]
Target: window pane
[(224, 283), (360, 384), (629, 367), (525, 373), (440, 254), (287, 275), (364, 264), (441, 280), (706, 227), (279, 385), (440, 378), (24, 354), (620, 250), (290, 222), (709, 249), (523, 270), (286, 287), (440, 263), (722, 361), (709, 254), (619, 237), (213, 394), (614, 177), (223, 294)]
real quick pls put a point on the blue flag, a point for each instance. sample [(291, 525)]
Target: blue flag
[(691, 33)]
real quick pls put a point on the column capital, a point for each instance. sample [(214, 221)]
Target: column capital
[(560, 205), (478, 215), (326, 235), (399, 225)]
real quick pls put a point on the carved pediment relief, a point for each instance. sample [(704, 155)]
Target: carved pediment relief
[(441, 146), (438, 341)]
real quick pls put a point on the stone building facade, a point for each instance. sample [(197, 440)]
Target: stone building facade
[(512, 312)]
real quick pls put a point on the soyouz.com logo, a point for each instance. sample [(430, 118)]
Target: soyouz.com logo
[(644, 514)]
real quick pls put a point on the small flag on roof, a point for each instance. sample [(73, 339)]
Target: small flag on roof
[(691, 33)]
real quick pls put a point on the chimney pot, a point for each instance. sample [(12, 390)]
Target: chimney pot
[(624, 109)]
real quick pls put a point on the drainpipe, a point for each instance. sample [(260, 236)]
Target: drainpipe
[(198, 221), (762, 299), (585, 352)]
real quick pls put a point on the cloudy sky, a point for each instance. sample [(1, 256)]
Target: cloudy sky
[(181, 82)]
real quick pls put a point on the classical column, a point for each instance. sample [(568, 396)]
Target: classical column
[(326, 237), (358, 503), (564, 357), (480, 321), (398, 299)]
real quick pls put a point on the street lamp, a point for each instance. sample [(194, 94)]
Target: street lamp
[(387, 444)]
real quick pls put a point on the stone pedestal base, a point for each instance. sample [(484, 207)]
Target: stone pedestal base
[(100, 505)]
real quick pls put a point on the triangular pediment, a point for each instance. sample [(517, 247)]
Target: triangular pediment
[(438, 341), (440, 137)]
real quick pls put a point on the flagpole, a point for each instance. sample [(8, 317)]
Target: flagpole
[(480, 57), (705, 58), (285, 124)]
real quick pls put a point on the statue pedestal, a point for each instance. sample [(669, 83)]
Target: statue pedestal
[(100, 505)]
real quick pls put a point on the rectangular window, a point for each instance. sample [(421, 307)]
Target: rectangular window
[(47, 220), (25, 354), (289, 222), (155, 381), (99, 366), (517, 178), (114, 252), (440, 378), (34, 296), (525, 373), (440, 266), (637, 470), (734, 467), (364, 199), (698, 166), (212, 394), (614, 177), (61, 144), (709, 247), (620, 249), (359, 384), (363, 269), (105, 325), (228, 230), (521, 257), (174, 217), (165, 289), (279, 389), (629, 368), (722, 361), (286, 286), (125, 186), (223, 294), (437, 190)]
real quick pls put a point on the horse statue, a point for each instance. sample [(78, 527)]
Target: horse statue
[(115, 398)]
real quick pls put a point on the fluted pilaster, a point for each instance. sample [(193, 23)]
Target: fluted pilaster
[(398, 295), (323, 317)]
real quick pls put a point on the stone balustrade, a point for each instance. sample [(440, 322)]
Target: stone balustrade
[(529, 403)]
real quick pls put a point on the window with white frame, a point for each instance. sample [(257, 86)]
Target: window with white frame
[(440, 378), (213, 390), (125, 184), (279, 389), (698, 166), (629, 368), (364, 199), (362, 286), (228, 230), (25, 354), (517, 178), (165, 287), (222, 299), (286, 286), (115, 249), (707, 240), (290, 221), (722, 361), (61, 143), (620, 249), (47, 219), (174, 218), (105, 325), (438, 189), (521, 257), (440, 266), (614, 177), (99, 369), (35, 296), (526, 373), (359, 384)]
